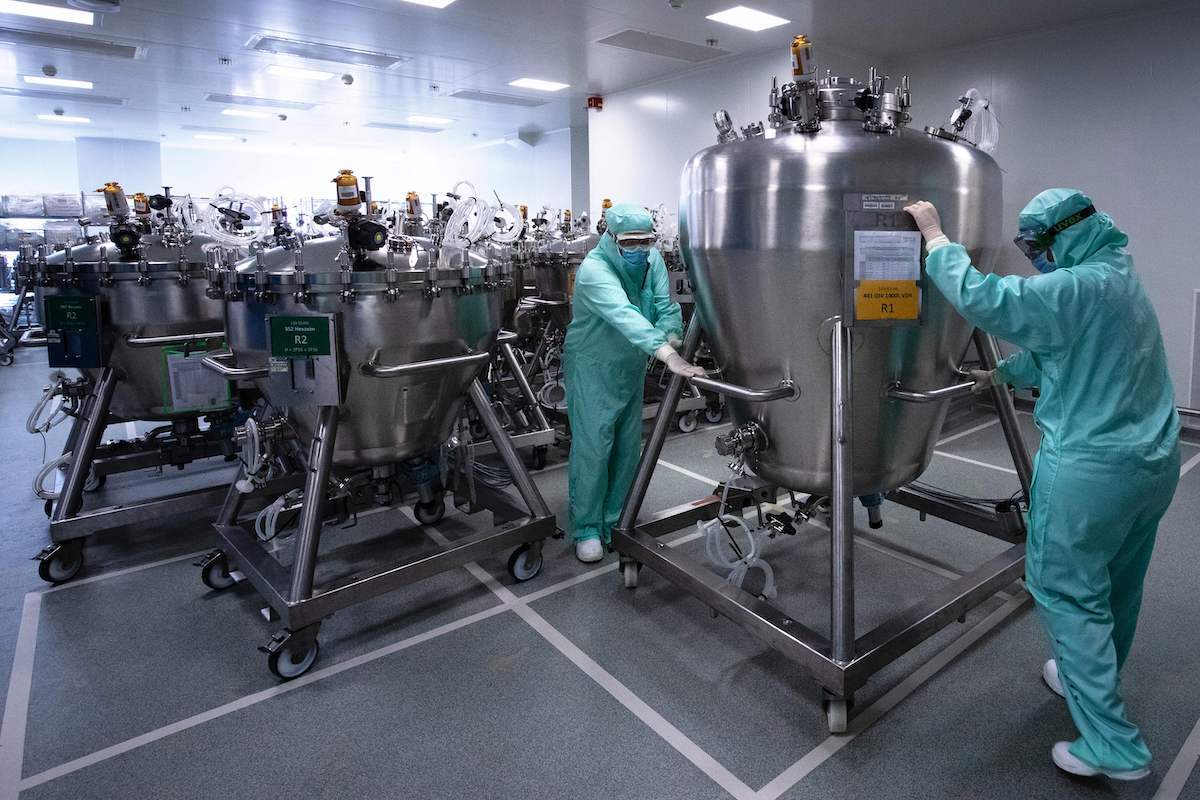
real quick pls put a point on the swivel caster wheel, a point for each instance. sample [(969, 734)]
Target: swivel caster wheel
[(539, 458), (629, 574), (59, 563), (94, 482), (714, 414), (291, 659), (688, 422), (48, 507), (6, 359), (837, 713), (430, 513), (524, 564), (215, 572)]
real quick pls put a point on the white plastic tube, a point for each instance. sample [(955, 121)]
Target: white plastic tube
[(983, 127), (39, 480), (252, 229), (34, 423)]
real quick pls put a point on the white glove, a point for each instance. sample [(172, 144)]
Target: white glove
[(927, 219), (984, 380), (675, 341), (676, 363)]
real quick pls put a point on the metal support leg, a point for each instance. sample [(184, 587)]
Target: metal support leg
[(504, 447), (514, 366), (989, 353), (232, 507), (658, 435), (841, 618), (540, 350), (312, 515), (71, 498)]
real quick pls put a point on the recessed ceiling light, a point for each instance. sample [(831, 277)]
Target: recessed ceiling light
[(430, 3), (56, 13), (63, 118), (421, 119), (213, 137), (539, 85), (748, 19), (245, 112), (281, 71), (66, 83)]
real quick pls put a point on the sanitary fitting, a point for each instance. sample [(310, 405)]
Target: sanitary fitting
[(742, 440)]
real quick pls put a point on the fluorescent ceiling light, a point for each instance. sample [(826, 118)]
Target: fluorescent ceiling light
[(213, 137), (539, 85), (245, 112), (66, 83), (421, 119), (748, 18), (281, 71), (430, 3), (56, 13), (323, 51), (63, 118), (264, 102)]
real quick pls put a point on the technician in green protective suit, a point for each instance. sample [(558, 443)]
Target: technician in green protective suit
[(1109, 459), (622, 313)]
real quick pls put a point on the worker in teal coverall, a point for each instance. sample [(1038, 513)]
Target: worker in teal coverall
[(1109, 458), (622, 314)]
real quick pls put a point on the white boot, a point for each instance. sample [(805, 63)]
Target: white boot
[(1064, 760), (589, 550), (1050, 676)]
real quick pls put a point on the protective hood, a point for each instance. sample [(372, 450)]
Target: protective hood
[(1082, 241), (623, 218)]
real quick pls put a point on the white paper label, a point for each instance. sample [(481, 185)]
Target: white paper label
[(887, 255), (193, 385)]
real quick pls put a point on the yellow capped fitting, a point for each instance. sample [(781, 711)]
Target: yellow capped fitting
[(348, 195), (802, 66)]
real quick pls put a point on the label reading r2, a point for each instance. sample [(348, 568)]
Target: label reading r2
[(299, 337)]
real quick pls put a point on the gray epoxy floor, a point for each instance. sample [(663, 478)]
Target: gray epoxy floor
[(146, 684)]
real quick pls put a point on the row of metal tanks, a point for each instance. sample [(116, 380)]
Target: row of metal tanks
[(341, 376)]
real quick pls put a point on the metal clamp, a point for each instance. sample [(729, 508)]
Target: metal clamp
[(187, 339), (895, 392), (786, 390), (220, 365), (374, 369)]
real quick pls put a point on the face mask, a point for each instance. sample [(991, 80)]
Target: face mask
[(636, 258), (1043, 264)]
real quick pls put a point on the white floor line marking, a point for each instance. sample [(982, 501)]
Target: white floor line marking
[(968, 431), (1192, 462), (605, 679), (976, 463), (1177, 776), (255, 698), (874, 712), (126, 571), (16, 704), (684, 471), (130, 430)]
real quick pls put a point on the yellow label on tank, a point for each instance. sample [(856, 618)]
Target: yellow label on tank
[(876, 300)]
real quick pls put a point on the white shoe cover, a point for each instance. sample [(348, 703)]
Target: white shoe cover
[(1069, 763), (589, 550), (1050, 676)]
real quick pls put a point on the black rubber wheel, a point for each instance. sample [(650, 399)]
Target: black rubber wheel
[(48, 507), (94, 482), (6, 359), (61, 564), (686, 423), (430, 513), (539, 457), (714, 414), (287, 663), (523, 565), (215, 574)]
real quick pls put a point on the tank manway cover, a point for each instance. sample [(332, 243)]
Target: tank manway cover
[(883, 267)]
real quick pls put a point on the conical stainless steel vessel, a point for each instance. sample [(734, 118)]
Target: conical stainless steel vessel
[(764, 234)]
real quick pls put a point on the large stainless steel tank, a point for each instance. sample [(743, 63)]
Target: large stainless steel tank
[(394, 318), (763, 231), (160, 293), (557, 261)]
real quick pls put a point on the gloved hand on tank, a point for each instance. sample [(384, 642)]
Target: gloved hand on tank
[(984, 380), (676, 362), (926, 216)]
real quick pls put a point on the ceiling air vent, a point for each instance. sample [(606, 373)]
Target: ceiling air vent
[(662, 46), (72, 44), (218, 129), (496, 97), (322, 51), (400, 126), (260, 102), (42, 94)]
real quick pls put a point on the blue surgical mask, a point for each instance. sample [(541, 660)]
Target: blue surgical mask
[(1043, 264), (636, 258)]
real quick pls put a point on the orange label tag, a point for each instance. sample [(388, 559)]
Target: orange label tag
[(876, 300)]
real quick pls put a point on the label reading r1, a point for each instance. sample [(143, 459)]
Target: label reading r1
[(299, 337)]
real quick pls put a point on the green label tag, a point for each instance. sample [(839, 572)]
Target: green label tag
[(70, 314), (299, 337)]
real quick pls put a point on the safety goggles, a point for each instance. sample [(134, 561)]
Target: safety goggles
[(636, 242), (1033, 243)]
